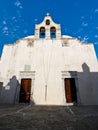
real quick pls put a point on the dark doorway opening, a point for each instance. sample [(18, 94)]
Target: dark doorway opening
[(25, 91), (70, 90)]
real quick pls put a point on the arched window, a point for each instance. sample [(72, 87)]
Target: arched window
[(42, 32), (53, 32), (47, 22)]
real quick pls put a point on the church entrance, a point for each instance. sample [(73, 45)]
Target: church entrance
[(25, 91), (70, 90)]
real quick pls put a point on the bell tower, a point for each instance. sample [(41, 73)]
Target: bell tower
[(47, 29)]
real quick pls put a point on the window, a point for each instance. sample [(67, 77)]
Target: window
[(42, 32), (47, 22), (53, 32)]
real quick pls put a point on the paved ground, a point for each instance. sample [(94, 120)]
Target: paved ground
[(27, 117)]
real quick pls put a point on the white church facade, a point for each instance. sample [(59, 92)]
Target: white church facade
[(49, 68)]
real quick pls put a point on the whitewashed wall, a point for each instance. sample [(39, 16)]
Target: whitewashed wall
[(46, 59)]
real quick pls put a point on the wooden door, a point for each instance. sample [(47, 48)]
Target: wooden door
[(70, 90), (25, 91)]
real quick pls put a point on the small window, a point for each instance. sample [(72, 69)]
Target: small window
[(47, 22), (53, 32), (42, 32)]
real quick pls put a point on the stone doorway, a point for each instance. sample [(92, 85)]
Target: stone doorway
[(70, 90), (25, 91)]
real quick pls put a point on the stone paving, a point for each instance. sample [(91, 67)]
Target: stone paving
[(29, 117)]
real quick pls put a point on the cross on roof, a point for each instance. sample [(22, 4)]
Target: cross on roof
[(47, 14)]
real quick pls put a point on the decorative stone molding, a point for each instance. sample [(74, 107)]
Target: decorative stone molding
[(27, 68), (65, 43), (30, 43), (27, 74), (69, 74)]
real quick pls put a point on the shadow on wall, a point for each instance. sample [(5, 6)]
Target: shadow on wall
[(88, 86), (9, 93), (82, 87), (1, 85)]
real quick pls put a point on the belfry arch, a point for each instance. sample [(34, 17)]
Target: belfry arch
[(47, 29), (42, 32), (53, 32), (47, 22)]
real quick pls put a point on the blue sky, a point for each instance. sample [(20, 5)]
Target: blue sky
[(78, 18)]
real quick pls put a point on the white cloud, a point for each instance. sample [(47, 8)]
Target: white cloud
[(18, 4), (96, 36), (96, 10), (97, 27), (4, 22), (13, 18), (79, 37), (82, 17), (85, 39), (84, 24), (96, 43), (35, 19), (5, 30)]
